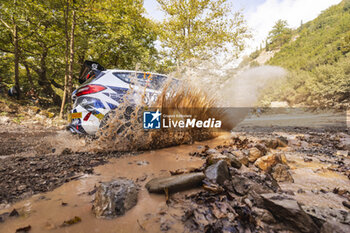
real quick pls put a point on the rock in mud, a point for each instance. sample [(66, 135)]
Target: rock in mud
[(71, 221), (236, 163), (254, 154), (346, 204), (288, 211), (247, 183), (175, 183), (277, 142), (24, 229), (281, 173), (214, 158), (218, 172), (268, 161), (114, 198)]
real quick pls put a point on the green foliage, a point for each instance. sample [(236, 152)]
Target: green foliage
[(279, 35), (200, 29), (318, 60), (112, 32)]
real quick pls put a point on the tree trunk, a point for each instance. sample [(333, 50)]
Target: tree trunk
[(16, 51), (66, 60), (71, 62), (42, 71)]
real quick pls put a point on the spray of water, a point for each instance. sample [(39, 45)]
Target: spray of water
[(201, 93)]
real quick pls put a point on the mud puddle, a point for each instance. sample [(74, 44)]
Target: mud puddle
[(314, 183), (47, 212)]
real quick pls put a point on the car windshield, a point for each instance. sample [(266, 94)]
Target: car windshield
[(145, 79)]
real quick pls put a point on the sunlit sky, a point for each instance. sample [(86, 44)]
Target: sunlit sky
[(262, 14)]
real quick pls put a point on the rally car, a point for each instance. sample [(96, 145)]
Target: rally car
[(103, 90)]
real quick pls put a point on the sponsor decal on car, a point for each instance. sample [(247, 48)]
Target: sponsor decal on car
[(76, 115)]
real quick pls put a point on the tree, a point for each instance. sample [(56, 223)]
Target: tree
[(12, 18), (69, 55), (280, 33), (44, 43), (200, 29)]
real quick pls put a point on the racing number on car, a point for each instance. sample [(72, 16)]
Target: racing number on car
[(149, 77)]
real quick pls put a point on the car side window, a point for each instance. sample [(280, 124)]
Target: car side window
[(124, 76), (144, 79)]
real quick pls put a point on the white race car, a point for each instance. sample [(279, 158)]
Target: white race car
[(103, 90)]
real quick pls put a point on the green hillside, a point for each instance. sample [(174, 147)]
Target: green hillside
[(317, 56)]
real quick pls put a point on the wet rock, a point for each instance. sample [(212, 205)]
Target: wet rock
[(344, 143), (175, 183), (244, 160), (23, 229), (218, 172), (281, 173), (264, 215), (346, 204), (282, 141), (236, 163), (254, 154), (288, 211), (300, 191), (241, 157), (268, 161), (114, 198), (250, 182), (214, 158), (342, 153), (14, 213), (277, 142), (272, 143), (71, 221), (334, 227), (142, 163), (211, 151), (262, 148)]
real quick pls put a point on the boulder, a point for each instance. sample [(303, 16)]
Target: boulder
[(288, 211), (254, 154), (218, 172), (114, 198), (281, 173), (228, 158), (214, 158), (175, 183), (268, 161)]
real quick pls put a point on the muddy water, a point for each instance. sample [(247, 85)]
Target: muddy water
[(45, 212), (312, 177)]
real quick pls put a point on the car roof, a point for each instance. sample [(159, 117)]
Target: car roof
[(133, 71)]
